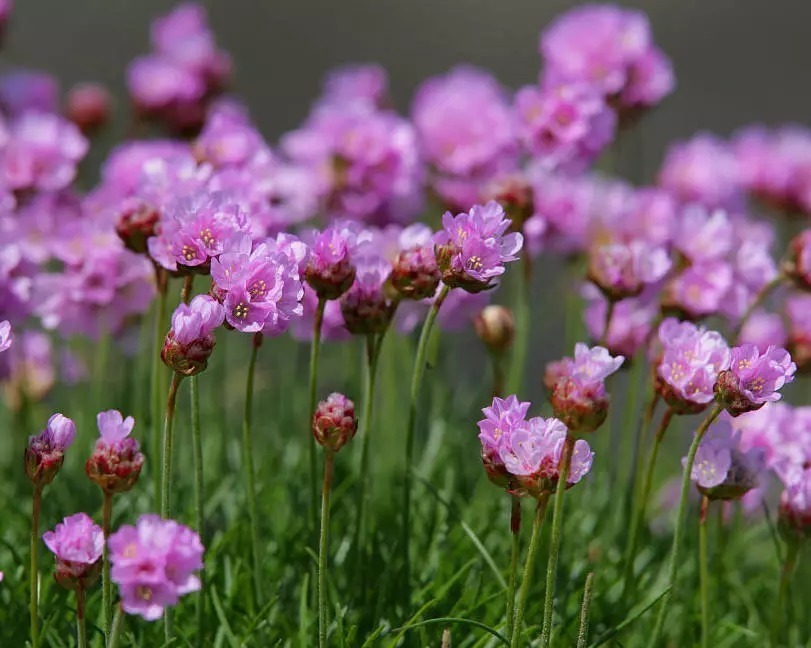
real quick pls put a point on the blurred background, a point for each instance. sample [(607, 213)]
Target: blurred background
[(736, 61)]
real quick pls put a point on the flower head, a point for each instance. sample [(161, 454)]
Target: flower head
[(798, 266), (334, 422), (46, 451), (753, 378), (154, 564), (795, 507), (77, 544), (365, 306), (191, 340), (798, 311), (414, 273), (330, 270), (6, 337), (495, 326), (116, 461), (622, 270)]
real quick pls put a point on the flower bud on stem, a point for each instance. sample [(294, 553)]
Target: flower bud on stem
[(704, 576), (106, 583), (33, 575), (315, 345), (250, 476), (329, 460), (515, 530)]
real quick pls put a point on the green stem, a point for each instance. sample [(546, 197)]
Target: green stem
[(609, 314), (756, 302), (789, 565), (554, 546), (156, 380), (250, 476), (515, 530), (703, 574), (315, 346), (166, 484), (118, 624), (673, 569), (81, 631), (498, 373), (33, 576), (526, 579), (642, 505), (365, 424), (106, 583), (522, 325), (416, 383), (199, 498), (322, 549), (583, 632)]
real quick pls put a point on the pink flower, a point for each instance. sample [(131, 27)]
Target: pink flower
[(631, 321), (154, 564), (799, 263), (334, 422), (763, 329), (623, 270), (364, 84), (191, 340), (330, 270), (116, 462), (77, 544), (46, 451), (798, 311), (795, 505), (753, 378), (6, 337)]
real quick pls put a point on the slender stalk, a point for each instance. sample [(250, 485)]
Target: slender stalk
[(118, 624), (498, 373), (789, 565), (322, 549), (526, 579), (156, 379), (756, 302), (81, 631), (315, 345), (416, 383), (523, 316), (609, 314), (199, 498), (554, 546), (365, 424), (515, 530), (185, 292), (106, 583), (33, 576), (703, 573), (673, 569), (583, 632), (166, 483), (250, 476), (642, 504)]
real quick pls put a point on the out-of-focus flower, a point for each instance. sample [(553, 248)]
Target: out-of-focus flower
[(334, 422), (699, 290), (495, 326), (365, 306), (763, 330), (631, 320), (798, 311), (798, 264), (116, 461), (795, 506), (29, 371), (621, 270), (24, 91), (191, 340), (753, 378), (88, 106), (154, 564), (363, 84), (77, 544), (6, 338), (46, 451)]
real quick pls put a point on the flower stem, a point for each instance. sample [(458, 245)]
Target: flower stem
[(523, 318), (81, 632), (526, 579), (583, 632), (416, 383), (250, 477), (365, 429), (33, 576), (498, 373), (106, 584), (673, 569), (789, 565), (609, 314), (756, 302), (642, 504), (199, 498), (156, 379), (166, 484), (118, 624), (515, 530), (315, 345), (554, 546), (703, 574), (322, 549)]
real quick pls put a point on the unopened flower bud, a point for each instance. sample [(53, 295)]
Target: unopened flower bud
[(415, 274), (332, 281), (88, 106), (514, 193), (365, 307), (798, 264), (191, 340), (46, 451), (116, 461), (136, 223), (334, 422), (794, 519), (495, 327), (582, 406)]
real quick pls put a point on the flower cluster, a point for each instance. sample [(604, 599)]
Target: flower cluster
[(45, 453), (116, 461), (754, 378), (191, 340), (334, 422), (77, 544)]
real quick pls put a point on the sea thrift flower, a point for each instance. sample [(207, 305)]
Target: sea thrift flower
[(631, 320), (500, 420), (366, 84), (763, 330), (23, 91), (137, 223), (414, 273), (365, 306), (88, 106), (698, 290), (154, 564), (330, 270), (690, 362), (753, 378), (565, 126), (795, 506), (578, 393), (722, 469), (116, 461), (472, 248), (191, 340), (77, 544), (622, 270), (46, 451), (798, 266), (495, 326), (334, 422), (5, 335), (798, 311)]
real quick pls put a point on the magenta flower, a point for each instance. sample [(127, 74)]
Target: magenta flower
[(116, 462), (753, 378), (622, 270), (798, 311), (691, 360), (365, 306), (798, 266), (631, 321), (6, 338), (365, 84), (333, 327), (228, 140), (500, 420), (154, 564), (414, 273), (699, 290), (23, 91), (77, 544), (795, 505), (763, 330), (46, 451), (191, 340), (330, 270), (723, 470), (334, 422), (578, 394), (566, 126), (472, 248)]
